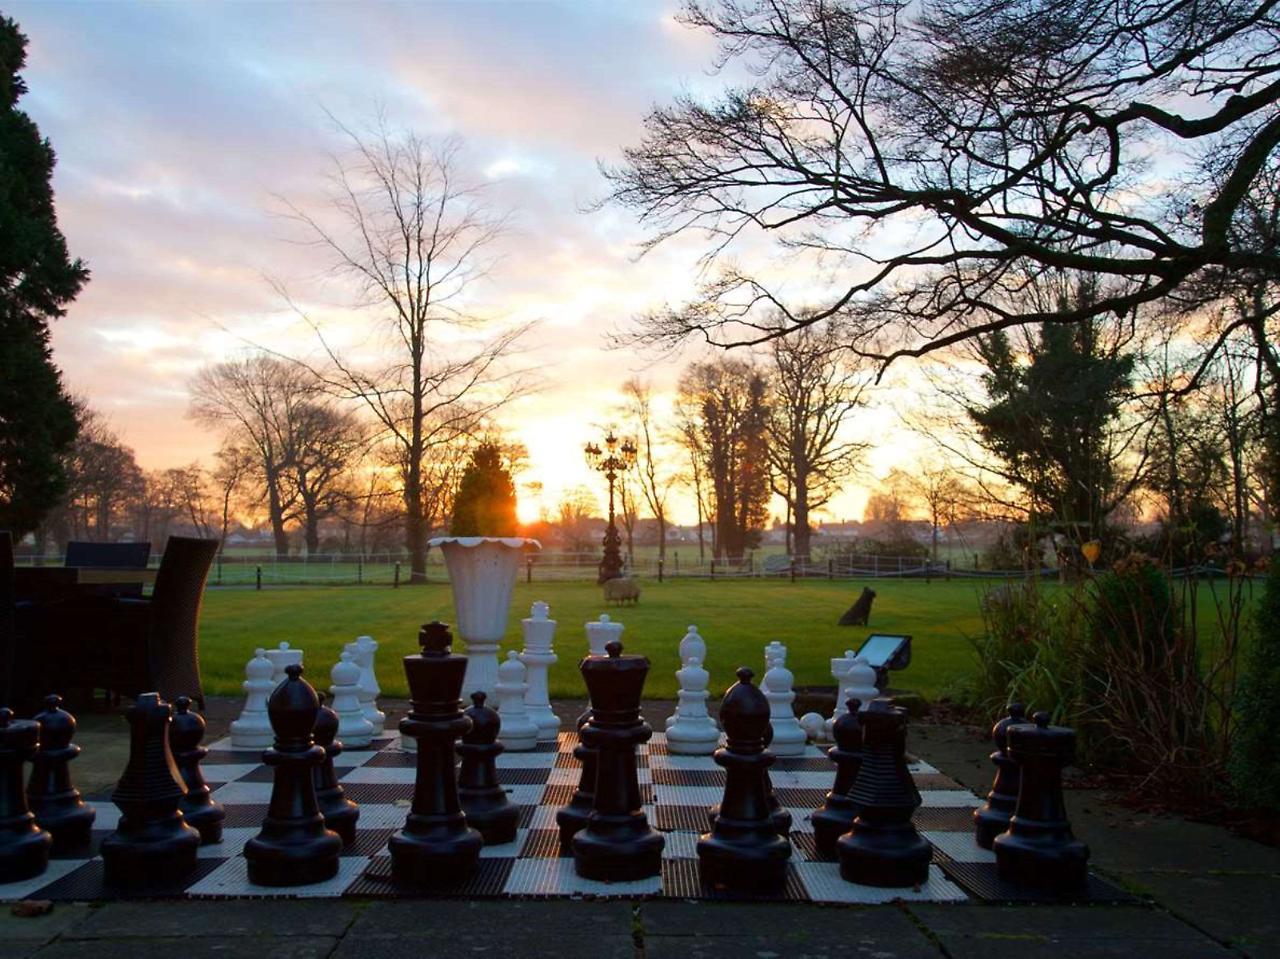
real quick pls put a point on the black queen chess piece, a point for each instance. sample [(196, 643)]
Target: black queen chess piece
[(488, 809), (340, 813), (572, 817), (198, 808), (294, 847), (152, 843), (1039, 849), (617, 844), (992, 817), (24, 846), (882, 847), (743, 851), (436, 847), (835, 816), (54, 799)]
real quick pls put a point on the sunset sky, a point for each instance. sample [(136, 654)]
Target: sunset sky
[(179, 127)]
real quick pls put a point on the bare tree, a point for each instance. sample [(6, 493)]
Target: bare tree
[(328, 443), (652, 476), (104, 483), (945, 496)]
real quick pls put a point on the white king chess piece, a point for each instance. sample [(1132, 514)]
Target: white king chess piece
[(362, 653), (789, 737), (282, 656), (692, 646), (354, 731), (518, 732), (539, 631), (600, 633), (693, 732), (253, 729)]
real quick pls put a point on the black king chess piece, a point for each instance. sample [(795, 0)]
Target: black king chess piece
[(835, 816), (200, 811), (992, 817), (743, 851), (617, 844), (1039, 849), (340, 813), (882, 848), (573, 817), (24, 846), (294, 847), (54, 798), (152, 842), (485, 802), (436, 846)]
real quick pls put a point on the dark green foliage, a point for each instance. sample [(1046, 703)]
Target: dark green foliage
[(1255, 748), (1134, 610), (486, 500), (37, 280)]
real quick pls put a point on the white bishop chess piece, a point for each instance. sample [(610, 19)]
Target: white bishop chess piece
[(354, 731), (789, 737), (282, 656), (692, 646), (518, 732), (362, 653), (253, 729), (692, 732), (600, 633), (539, 631)]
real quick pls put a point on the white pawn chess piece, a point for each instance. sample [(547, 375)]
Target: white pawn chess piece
[(602, 632), (815, 727), (692, 731), (362, 652), (539, 630), (354, 731), (692, 646), (518, 732), (253, 729), (789, 737), (280, 657)]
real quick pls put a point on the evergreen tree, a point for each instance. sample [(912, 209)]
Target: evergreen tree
[(486, 500), (37, 281), (1255, 748)]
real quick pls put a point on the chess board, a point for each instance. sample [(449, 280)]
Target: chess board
[(676, 791)]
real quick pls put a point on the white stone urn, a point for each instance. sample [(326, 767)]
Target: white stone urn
[(482, 574)]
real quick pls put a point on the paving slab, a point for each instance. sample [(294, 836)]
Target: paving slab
[(817, 945), (539, 942), (1243, 910), (460, 920), (988, 946), (121, 920), (41, 929), (277, 947), (1057, 923)]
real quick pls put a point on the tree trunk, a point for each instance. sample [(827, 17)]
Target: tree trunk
[(801, 523), (276, 515)]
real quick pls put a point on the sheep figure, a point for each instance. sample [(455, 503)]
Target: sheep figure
[(622, 590)]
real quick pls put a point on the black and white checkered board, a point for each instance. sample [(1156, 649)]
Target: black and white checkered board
[(676, 791)]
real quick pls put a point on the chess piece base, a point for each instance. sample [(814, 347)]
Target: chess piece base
[(24, 852), (991, 819), (696, 742), (780, 817), (494, 817), (340, 815), (788, 741), (756, 866), (70, 827), (1039, 856), (890, 855), (618, 849), (831, 821), (294, 864), (439, 857), (207, 821), (572, 819), (161, 852)]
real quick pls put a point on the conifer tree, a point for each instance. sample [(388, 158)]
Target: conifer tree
[(486, 500)]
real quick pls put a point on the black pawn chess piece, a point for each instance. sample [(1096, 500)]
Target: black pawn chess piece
[(1039, 849), (153, 842), (436, 846), (617, 844), (24, 846), (573, 817), (340, 813), (835, 816), (992, 817), (489, 811), (54, 798), (200, 811), (882, 848), (294, 847), (743, 851)]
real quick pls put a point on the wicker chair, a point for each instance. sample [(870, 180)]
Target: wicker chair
[(110, 555), (17, 632)]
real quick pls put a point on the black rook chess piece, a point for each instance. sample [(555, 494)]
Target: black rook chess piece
[(992, 817), (1039, 849), (340, 813), (573, 817), (436, 846), (743, 850), (201, 813), (835, 816), (294, 848), (617, 844), (152, 842), (882, 847), (54, 798), (24, 846), (485, 802)]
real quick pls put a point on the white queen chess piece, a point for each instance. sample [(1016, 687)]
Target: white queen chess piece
[(692, 732), (282, 656), (539, 631), (253, 729), (602, 632), (362, 653), (789, 737), (518, 732), (354, 730)]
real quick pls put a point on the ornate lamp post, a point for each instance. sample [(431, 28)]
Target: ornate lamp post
[(617, 457)]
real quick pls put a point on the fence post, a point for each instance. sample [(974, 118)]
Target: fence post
[(948, 571), (395, 584), (875, 565), (360, 570), (713, 569), (793, 569), (258, 578), (219, 569), (928, 571), (528, 570), (899, 567), (676, 555), (751, 561), (659, 570), (831, 568)]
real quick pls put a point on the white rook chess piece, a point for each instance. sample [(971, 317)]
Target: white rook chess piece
[(518, 732), (602, 632), (354, 730), (789, 737), (537, 657), (362, 652), (253, 729), (691, 731), (281, 657), (840, 666), (692, 646)]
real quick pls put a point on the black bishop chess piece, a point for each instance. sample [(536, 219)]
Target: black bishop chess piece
[(1039, 849), (54, 798), (778, 813), (572, 817), (617, 844), (436, 847), (882, 847), (152, 843), (743, 851), (340, 813), (24, 846), (992, 817), (835, 816), (489, 811), (294, 847), (198, 808)]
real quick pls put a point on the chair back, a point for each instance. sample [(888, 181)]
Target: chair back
[(108, 555), (173, 647), (8, 620)]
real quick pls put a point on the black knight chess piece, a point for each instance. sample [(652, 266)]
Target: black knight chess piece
[(24, 846), (743, 851), (294, 847), (489, 811), (200, 811), (617, 844), (54, 798), (573, 817), (436, 846), (835, 816), (992, 817), (882, 848), (152, 843), (1039, 849), (340, 813)]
